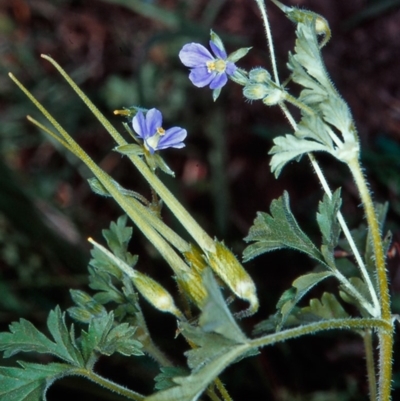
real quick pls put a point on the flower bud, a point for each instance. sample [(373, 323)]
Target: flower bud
[(275, 96), (227, 267), (255, 91), (259, 75)]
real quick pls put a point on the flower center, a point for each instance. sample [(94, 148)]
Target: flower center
[(153, 140), (216, 65)]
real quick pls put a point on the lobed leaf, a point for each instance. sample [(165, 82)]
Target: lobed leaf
[(278, 230), (24, 337), (289, 147), (30, 382)]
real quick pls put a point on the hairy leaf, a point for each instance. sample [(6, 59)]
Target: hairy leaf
[(24, 337), (30, 382), (278, 230), (289, 147), (105, 338), (164, 379), (308, 53), (326, 308), (327, 220), (302, 285)]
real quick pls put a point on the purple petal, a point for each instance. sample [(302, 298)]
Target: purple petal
[(173, 138), (219, 81), (194, 55), (200, 76), (219, 53), (139, 125), (230, 68), (153, 121)]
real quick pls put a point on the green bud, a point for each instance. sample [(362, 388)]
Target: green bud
[(259, 75), (255, 91), (275, 96)]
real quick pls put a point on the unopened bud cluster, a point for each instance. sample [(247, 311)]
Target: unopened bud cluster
[(261, 87)]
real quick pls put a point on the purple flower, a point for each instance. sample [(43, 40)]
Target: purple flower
[(149, 128), (207, 69)]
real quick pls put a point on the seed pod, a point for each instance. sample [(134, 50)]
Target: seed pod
[(225, 265)]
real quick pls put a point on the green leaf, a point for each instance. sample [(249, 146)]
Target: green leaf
[(327, 308), (164, 379), (87, 308), (289, 147), (30, 382), (278, 230), (362, 288), (24, 337), (315, 92), (308, 53), (118, 237), (189, 388), (329, 225), (102, 337), (336, 112), (312, 127), (302, 285)]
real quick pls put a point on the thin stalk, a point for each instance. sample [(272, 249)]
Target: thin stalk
[(221, 388), (376, 308), (385, 336), (101, 381), (263, 11), (369, 356)]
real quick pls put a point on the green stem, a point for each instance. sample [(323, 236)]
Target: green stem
[(312, 328), (101, 381), (369, 356), (385, 336), (268, 34)]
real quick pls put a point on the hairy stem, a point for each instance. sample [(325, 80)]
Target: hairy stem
[(263, 11), (101, 381), (385, 336), (369, 356)]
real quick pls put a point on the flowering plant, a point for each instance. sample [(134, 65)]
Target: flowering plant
[(204, 266)]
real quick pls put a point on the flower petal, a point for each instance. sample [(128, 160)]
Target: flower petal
[(230, 68), (194, 55), (219, 81), (139, 125), (153, 121), (219, 53), (200, 76), (173, 138)]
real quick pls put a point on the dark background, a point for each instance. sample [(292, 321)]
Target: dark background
[(123, 53)]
